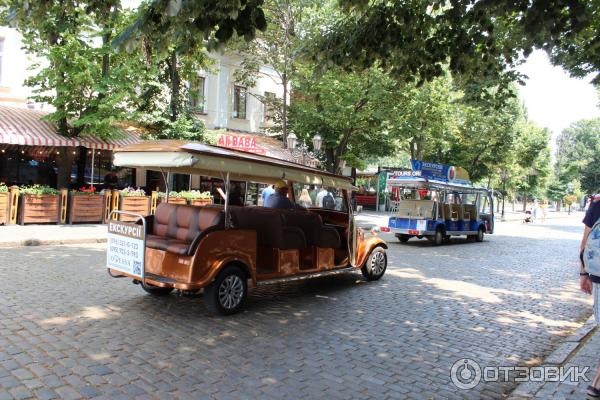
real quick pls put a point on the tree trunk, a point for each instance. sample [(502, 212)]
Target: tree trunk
[(175, 81), (284, 108), (524, 202), (81, 161), (64, 162)]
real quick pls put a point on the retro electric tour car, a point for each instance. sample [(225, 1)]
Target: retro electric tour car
[(219, 248), (437, 201)]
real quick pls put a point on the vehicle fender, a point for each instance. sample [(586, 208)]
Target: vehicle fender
[(366, 247)]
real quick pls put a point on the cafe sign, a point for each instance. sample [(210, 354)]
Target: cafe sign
[(245, 143)]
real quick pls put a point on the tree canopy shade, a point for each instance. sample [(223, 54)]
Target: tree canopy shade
[(189, 23), (476, 38)]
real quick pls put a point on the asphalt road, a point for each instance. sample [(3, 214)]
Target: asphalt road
[(70, 331)]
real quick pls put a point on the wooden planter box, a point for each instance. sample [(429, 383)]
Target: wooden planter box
[(86, 208), (172, 200), (4, 202), (39, 209), (135, 204), (200, 202)]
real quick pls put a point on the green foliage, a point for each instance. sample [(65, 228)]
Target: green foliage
[(417, 39), (38, 190), (569, 199), (188, 24), (132, 192), (578, 154), (3, 188), (349, 111), (195, 194), (160, 126)]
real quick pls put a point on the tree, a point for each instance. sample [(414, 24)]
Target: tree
[(578, 154), (349, 111), (75, 72), (417, 39), (278, 48)]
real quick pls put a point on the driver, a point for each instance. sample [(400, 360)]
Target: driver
[(279, 199)]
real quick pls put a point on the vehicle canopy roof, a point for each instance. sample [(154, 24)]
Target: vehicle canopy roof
[(187, 157), (418, 182)]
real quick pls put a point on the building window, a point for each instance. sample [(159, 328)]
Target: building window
[(197, 95), (269, 106), (1, 56), (239, 102)]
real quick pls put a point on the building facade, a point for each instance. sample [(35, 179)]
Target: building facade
[(222, 103)]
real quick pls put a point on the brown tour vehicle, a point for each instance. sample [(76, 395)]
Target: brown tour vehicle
[(219, 247)]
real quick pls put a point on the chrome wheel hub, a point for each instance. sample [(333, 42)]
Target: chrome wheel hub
[(378, 263), (231, 292)]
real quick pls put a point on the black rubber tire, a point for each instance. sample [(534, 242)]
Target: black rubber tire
[(480, 234), (213, 298), (378, 255), (439, 237), (403, 238), (156, 290)]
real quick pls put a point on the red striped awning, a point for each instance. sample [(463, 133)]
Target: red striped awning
[(22, 126)]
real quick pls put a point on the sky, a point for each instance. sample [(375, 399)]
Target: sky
[(553, 99)]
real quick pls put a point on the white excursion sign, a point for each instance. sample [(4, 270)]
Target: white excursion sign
[(126, 248)]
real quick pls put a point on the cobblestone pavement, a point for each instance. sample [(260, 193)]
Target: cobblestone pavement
[(68, 330)]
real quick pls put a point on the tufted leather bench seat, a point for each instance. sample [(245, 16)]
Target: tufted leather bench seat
[(270, 226), (312, 226), (179, 228)]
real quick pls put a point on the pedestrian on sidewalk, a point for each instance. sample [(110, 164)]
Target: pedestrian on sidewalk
[(591, 283)]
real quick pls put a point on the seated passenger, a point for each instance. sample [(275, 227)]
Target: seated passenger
[(279, 199)]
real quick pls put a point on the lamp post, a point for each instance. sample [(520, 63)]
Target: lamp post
[(504, 177), (302, 150)]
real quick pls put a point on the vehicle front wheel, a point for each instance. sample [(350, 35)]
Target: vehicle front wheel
[(156, 290), (376, 265), (479, 237), (403, 238), (227, 294)]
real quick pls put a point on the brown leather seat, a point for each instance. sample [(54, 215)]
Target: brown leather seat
[(270, 226), (179, 228), (315, 232)]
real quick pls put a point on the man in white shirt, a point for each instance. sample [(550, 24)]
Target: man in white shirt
[(322, 193)]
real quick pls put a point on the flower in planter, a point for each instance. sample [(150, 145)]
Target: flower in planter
[(39, 190), (195, 195), (3, 187), (132, 192), (85, 190)]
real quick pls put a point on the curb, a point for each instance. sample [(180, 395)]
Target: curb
[(39, 242), (559, 357)]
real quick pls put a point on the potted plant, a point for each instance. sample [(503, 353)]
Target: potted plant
[(133, 200), (39, 204), (174, 198), (86, 205), (4, 202), (197, 198)]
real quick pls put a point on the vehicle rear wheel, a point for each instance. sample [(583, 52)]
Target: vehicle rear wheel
[(403, 238), (376, 265), (227, 293), (480, 234), (156, 290), (439, 237)]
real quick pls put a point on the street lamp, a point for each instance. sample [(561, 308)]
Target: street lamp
[(504, 177), (302, 150)]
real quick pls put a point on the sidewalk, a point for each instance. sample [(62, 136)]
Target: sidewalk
[(582, 349), (37, 235)]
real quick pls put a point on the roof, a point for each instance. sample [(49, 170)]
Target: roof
[(199, 158), (22, 126)]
